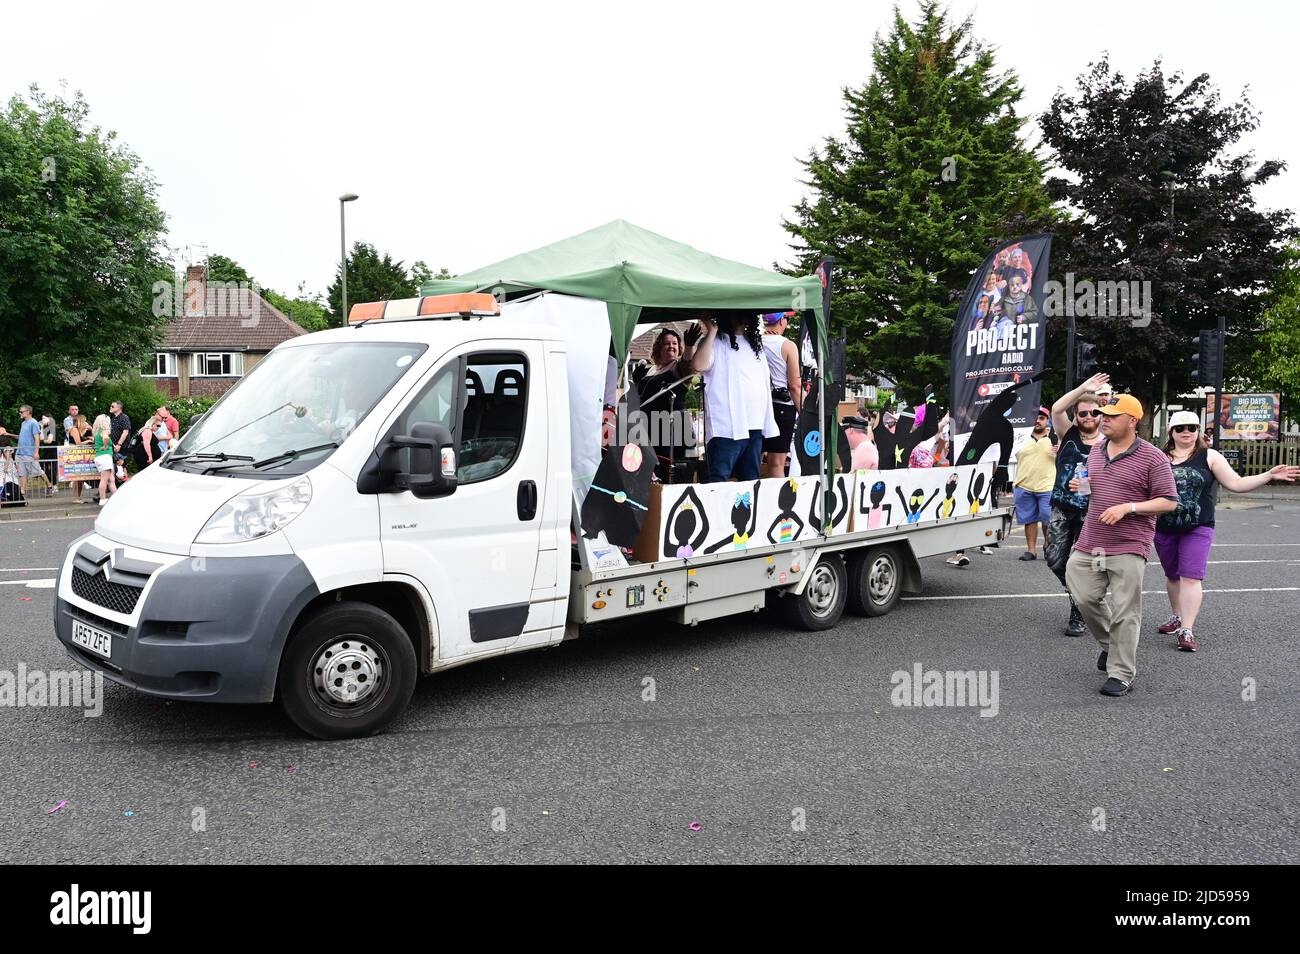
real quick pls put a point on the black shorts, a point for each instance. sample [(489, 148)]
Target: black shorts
[(785, 420)]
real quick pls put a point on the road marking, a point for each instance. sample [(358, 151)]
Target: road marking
[(26, 569), (1037, 596), (72, 516), (45, 584), (1018, 546)]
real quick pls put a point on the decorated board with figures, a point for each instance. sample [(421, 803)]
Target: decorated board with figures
[(891, 498), (693, 520), (689, 520)]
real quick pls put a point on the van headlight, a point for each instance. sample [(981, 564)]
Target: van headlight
[(250, 516)]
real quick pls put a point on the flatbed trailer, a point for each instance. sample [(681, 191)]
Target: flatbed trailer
[(811, 581)]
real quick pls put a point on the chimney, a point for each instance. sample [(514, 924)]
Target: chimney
[(196, 291)]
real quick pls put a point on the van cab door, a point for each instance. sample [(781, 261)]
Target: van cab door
[(476, 549)]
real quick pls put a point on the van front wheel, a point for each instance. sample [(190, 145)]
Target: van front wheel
[(347, 672)]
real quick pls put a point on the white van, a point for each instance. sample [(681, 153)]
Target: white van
[(398, 497)]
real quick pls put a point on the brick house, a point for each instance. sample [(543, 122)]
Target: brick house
[(221, 335)]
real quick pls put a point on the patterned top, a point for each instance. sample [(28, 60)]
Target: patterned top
[(1196, 492), (1070, 453), (1138, 474)]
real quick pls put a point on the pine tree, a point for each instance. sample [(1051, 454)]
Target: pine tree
[(932, 170)]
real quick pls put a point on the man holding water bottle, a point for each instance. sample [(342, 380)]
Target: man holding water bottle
[(1069, 507)]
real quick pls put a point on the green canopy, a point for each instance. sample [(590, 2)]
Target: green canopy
[(631, 269)]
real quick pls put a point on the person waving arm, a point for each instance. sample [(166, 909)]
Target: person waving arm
[(1065, 403), (1229, 478)]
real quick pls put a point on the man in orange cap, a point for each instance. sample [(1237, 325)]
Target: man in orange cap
[(1131, 482)]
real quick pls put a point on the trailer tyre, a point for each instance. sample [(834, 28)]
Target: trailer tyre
[(875, 581), (347, 672), (821, 604)]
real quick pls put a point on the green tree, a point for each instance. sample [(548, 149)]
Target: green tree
[(420, 273), (372, 277), (1156, 192), (1275, 362), (304, 310), (80, 250), (932, 169), (222, 269)]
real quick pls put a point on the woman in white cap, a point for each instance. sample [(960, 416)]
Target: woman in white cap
[(1183, 536)]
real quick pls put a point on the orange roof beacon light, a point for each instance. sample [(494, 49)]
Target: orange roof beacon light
[(468, 305)]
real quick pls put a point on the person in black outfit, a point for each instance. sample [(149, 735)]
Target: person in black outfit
[(663, 400), (119, 429)]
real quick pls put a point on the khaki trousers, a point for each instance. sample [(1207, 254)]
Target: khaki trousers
[(1088, 577)]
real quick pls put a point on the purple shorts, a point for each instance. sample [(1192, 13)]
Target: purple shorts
[(1184, 555)]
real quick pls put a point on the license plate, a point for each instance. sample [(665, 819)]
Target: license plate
[(96, 640)]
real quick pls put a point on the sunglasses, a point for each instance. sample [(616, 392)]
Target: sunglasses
[(1088, 414), (1185, 428)]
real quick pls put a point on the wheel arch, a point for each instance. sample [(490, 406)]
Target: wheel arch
[(398, 599)]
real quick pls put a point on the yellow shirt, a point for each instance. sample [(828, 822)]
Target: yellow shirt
[(1036, 466)]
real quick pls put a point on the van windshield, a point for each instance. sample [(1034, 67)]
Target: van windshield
[(290, 412)]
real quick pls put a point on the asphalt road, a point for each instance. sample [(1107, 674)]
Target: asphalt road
[(752, 729)]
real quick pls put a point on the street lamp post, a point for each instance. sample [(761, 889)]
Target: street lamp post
[(343, 251)]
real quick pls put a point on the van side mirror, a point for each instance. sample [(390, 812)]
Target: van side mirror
[(431, 471)]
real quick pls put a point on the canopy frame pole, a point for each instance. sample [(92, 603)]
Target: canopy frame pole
[(828, 424)]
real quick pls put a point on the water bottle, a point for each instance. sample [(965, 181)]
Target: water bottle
[(1081, 475)]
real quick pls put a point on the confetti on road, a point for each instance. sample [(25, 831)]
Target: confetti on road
[(62, 804), (1168, 770), (696, 826), (252, 765), (293, 770), (129, 813)]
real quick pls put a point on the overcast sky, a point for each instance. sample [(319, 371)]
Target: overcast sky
[(477, 130)]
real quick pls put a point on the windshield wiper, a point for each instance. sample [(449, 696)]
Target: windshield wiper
[(220, 457), (291, 455)]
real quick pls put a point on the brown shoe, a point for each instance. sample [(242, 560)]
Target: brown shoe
[(1186, 641)]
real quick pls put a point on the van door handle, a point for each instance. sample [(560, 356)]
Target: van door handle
[(526, 500)]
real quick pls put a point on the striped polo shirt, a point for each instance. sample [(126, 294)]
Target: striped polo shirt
[(1139, 474)]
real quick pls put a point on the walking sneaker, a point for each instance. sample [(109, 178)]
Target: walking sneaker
[(1170, 626), (1101, 661), (1115, 687), (103, 501), (1076, 626), (987, 551), (958, 560), (1186, 641)]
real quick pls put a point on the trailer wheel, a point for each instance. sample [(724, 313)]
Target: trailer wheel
[(875, 581), (347, 672), (821, 604)]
